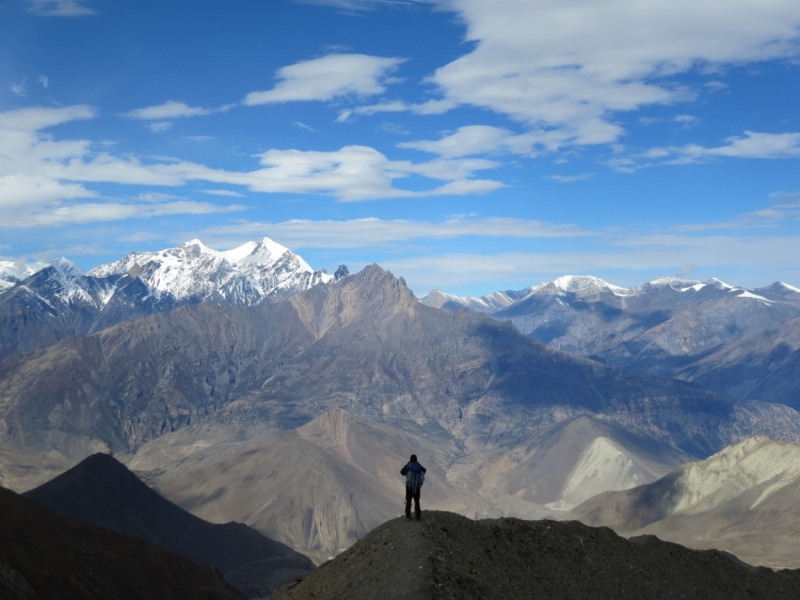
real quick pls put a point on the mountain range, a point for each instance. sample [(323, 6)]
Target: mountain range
[(59, 301), (743, 344), (247, 387)]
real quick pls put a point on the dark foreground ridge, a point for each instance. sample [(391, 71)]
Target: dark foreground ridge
[(48, 556), (102, 491), (446, 556)]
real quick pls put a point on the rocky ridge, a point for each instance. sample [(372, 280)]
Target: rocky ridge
[(446, 556)]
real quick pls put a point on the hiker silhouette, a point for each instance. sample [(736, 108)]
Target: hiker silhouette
[(415, 477)]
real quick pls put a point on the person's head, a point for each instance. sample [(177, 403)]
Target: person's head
[(413, 458)]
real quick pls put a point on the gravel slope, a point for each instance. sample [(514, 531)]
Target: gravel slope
[(446, 556)]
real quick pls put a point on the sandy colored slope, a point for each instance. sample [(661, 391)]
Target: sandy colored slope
[(743, 500)]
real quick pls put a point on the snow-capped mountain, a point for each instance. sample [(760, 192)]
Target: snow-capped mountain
[(731, 339), (56, 301), (12, 272), (490, 303), (249, 274)]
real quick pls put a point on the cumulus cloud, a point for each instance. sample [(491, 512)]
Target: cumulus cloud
[(39, 174), (60, 8), (350, 174), (370, 232), (571, 65), (328, 77)]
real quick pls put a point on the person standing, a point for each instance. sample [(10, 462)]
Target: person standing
[(415, 477)]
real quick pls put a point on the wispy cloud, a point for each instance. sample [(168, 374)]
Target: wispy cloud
[(228, 193), (374, 232), (160, 126), (44, 80), (753, 144), (170, 110), (19, 89), (569, 178), (664, 255), (328, 77), (60, 8)]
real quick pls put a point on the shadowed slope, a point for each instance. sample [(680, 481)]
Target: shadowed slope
[(101, 491), (45, 555)]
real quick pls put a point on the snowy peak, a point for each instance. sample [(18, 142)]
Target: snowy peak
[(248, 274), (265, 252), (67, 267), (490, 303), (585, 283), (12, 272)]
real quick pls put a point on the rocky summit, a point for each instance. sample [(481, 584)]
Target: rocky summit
[(446, 556)]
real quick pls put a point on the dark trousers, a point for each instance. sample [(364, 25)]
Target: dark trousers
[(412, 492)]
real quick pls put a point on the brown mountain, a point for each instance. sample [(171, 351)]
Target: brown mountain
[(102, 491), (742, 499), (325, 485), (45, 555), (447, 556), (364, 344)]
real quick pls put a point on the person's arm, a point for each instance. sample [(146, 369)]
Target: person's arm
[(424, 470), (404, 470)]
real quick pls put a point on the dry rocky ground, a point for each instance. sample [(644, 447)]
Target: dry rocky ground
[(447, 556)]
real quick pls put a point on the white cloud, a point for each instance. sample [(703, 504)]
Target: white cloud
[(60, 8), (328, 77), (44, 80), (160, 126), (40, 175), (571, 65), (19, 89), (659, 254), (168, 110), (356, 5), (686, 121), (371, 232), (569, 178), (751, 145), (304, 126), (93, 212), (230, 193)]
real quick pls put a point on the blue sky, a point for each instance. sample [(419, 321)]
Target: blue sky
[(470, 145)]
